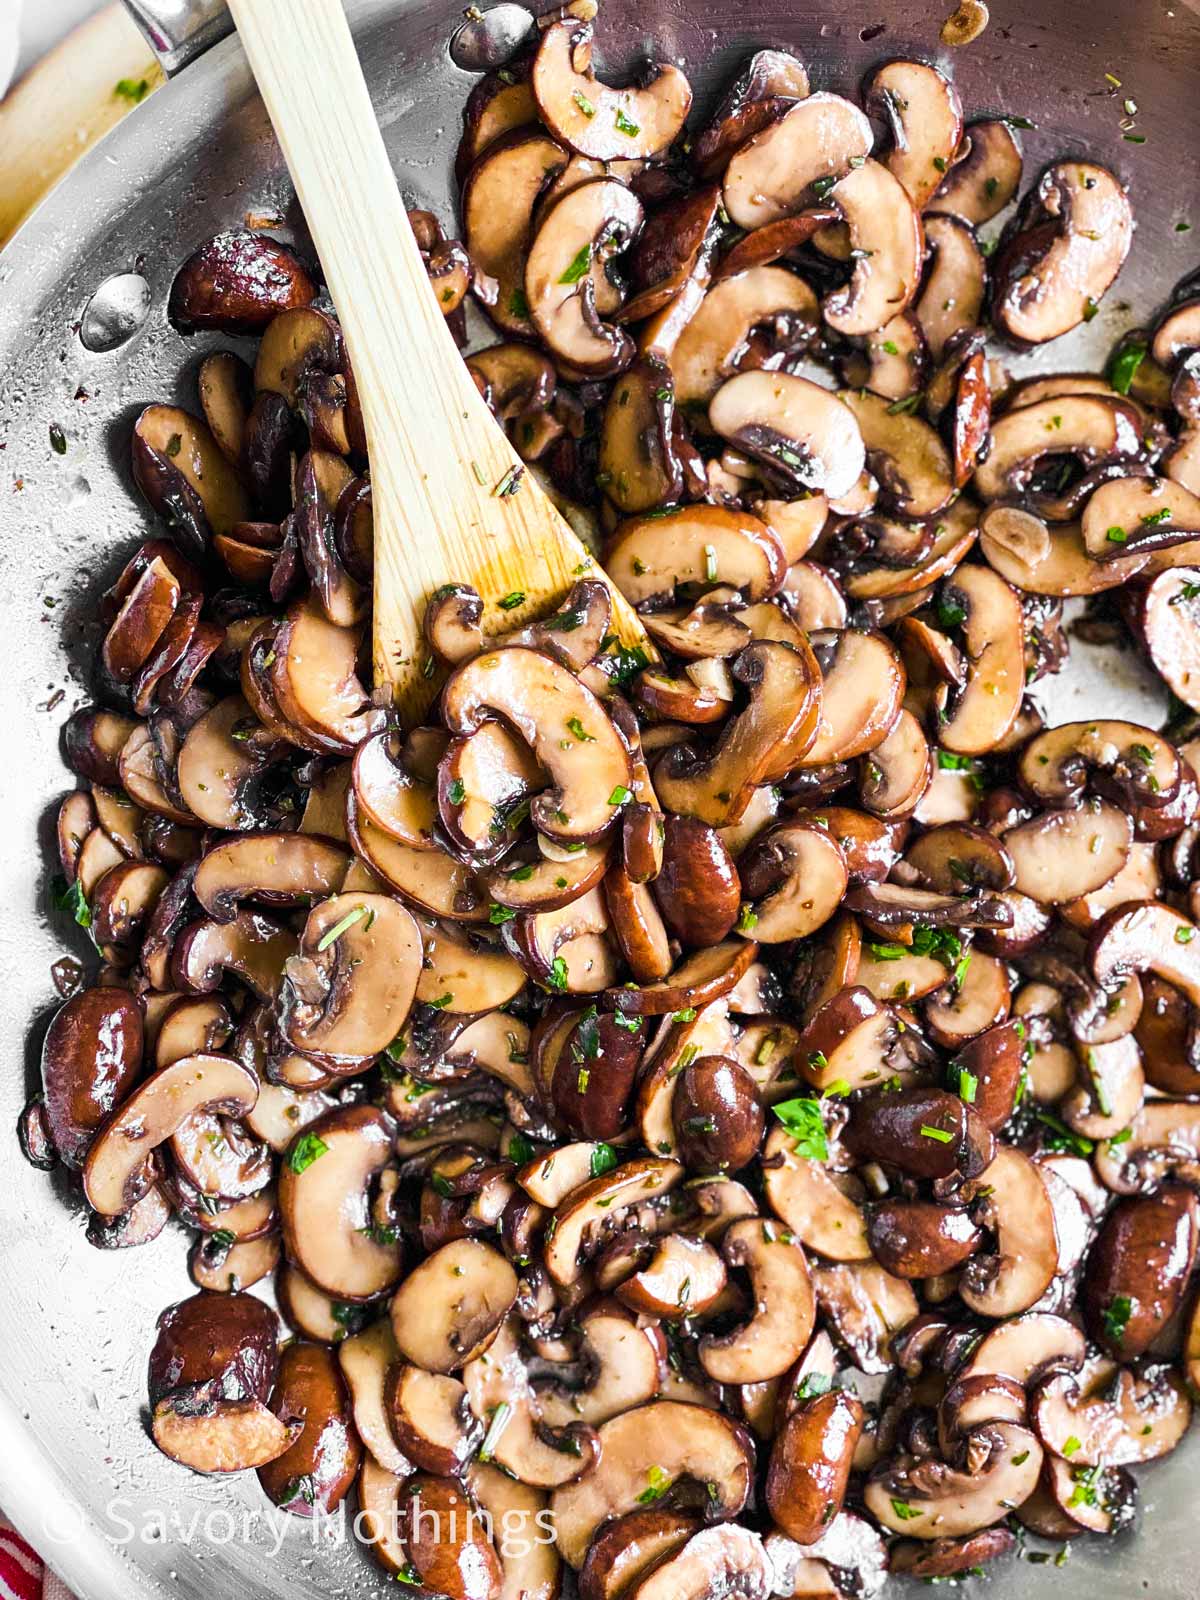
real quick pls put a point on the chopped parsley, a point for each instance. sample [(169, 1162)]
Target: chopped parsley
[(802, 1119)]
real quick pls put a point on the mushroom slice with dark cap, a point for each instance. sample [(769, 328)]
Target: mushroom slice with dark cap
[(1072, 238), (781, 720), (673, 247), (985, 177), (324, 1203), (702, 544), (954, 286), (993, 636), (784, 1307), (1129, 515), (1111, 1415), (656, 1447), (348, 990), (1090, 429), (498, 198), (811, 1460), (924, 116), (887, 245), (1017, 1208), (932, 1499), (767, 86), (540, 698), (801, 432), (1138, 1269), (715, 338), (914, 468), (274, 869), (793, 877), (926, 1133), (1138, 766), (566, 286), (1061, 854), (596, 120), (315, 1473), (91, 1059), (727, 1559), (236, 282), (119, 1167), (179, 467), (773, 174), (521, 1442)]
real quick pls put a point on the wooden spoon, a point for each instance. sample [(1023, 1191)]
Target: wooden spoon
[(438, 458)]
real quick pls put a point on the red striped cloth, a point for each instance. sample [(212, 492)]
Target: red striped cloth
[(22, 1574)]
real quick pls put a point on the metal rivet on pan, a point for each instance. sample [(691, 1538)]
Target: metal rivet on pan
[(115, 312), (490, 38)]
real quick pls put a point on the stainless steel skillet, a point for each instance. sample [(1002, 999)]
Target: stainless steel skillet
[(76, 1470)]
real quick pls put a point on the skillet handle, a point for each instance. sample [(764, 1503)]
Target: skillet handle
[(178, 31)]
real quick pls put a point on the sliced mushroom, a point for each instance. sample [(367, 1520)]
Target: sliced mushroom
[(651, 556), (864, 1308), (598, 1207), (782, 716), (655, 1446), (91, 1058), (954, 287), (594, 119), (618, 1365), (768, 1344), (985, 177), (1073, 236), (993, 636), (761, 92), (885, 225), (715, 339), (315, 1473), (912, 465), (565, 283), (930, 1499), (250, 947), (119, 1168), (442, 1317), (924, 114), (793, 877), (810, 1463), (1017, 1207), (726, 1559), (798, 430), (821, 1207), (324, 1185), (179, 467), (498, 198), (773, 174), (588, 781), (518, 1440), (1138, 1269), (1061, 854), (274, 869), (348, 990), (315, 680), (1111, 1415)]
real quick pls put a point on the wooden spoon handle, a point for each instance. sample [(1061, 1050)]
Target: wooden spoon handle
[(436, 454)]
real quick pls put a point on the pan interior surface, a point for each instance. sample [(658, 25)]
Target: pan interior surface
[(78, 1472)]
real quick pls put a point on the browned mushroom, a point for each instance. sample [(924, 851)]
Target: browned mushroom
[(594, 119), (1072, 238)]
